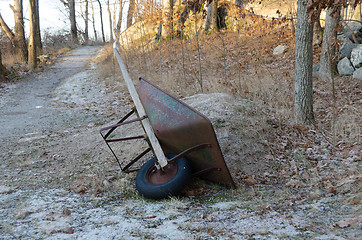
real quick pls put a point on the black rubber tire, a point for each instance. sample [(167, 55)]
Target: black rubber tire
[(171, 188)]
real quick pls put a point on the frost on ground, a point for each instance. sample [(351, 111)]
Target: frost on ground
[(59, 214), (59, 181)]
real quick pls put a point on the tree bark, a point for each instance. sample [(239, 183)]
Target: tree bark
[(3, 71), (303, 106), (214, 25), (17, 37), (32, 37), (39, 45), (328, 67), (119, 22), (207, 23), (317, 31), (130, 13), (101, 16), (110, 22), (94, 22), (167, 17), (86, 20), (73, 23)]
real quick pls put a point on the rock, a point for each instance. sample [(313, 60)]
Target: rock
[(250, 180), (80, 189), (345, 67), (23, 214), (315, 194), (66, 212), (5, 190), (358, 74), (346, 49), (280, 50), (356, 28), (356, 56)]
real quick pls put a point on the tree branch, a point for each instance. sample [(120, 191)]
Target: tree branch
[(6, 30)]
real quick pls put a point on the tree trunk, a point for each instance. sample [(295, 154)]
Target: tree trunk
[(3, 71), (208, 17), (39, 45), (119, 22), (130, 12), (303, 67), (32, 35), (101, 16), (214, 25), (167, 17), (94, 22), (73, 23), (86, 31), (19, 40), (317, 31), (328, 67), (110, 22), (17, 37)]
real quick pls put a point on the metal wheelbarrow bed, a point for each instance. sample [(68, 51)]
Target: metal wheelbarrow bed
[(179, 128)]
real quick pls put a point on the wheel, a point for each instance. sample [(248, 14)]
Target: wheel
[(157, 184)]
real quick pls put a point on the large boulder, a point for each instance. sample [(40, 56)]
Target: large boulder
[(345, 67), (358, 74), (346, 49), (356, 28), (356, 56)]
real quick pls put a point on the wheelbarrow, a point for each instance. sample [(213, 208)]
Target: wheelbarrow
[(182, 140)]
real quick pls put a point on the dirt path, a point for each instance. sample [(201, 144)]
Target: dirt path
[(25, 107), (57, 180)]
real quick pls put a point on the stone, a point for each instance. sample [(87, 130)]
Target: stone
[(280, 50), (358, 74), (5, 189), (345, 67), (346, 49), (356, 56), (356, 28)]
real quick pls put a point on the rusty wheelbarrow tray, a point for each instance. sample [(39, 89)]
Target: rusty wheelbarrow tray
[(182, 139)]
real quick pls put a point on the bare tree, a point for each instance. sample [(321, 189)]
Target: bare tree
[(17, 37), (130, 12), (110, 22), (70, 4), (39, 45), (86, 19), (207, 23), (32, 35), (167, 17), (303, 106), (119, 22), (328, 66), (214, 25), (73, 23), (93, 22), (100, 12)]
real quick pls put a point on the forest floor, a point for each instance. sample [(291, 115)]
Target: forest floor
[(58, 180)]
